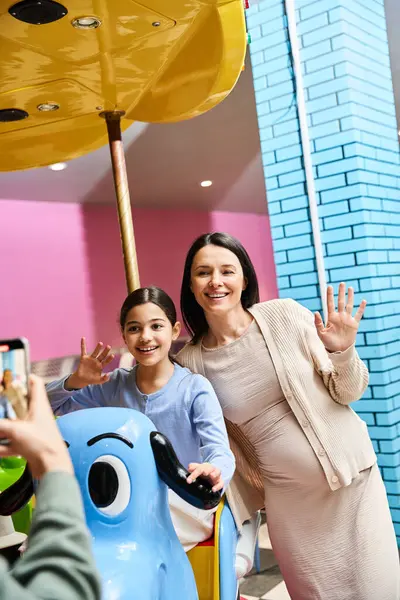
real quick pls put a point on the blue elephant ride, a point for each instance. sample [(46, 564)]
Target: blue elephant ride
[(124, 468)]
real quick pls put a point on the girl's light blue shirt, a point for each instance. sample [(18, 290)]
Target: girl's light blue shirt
[(186, 410)]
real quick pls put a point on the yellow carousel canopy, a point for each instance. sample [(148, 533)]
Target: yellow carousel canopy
[(63, 63)]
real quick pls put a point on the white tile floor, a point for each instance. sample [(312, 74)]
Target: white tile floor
[(279, 592)]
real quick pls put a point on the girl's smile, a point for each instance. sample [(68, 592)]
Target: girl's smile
[(149, 334)]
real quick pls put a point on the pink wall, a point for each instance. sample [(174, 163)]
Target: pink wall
[(162, 240), (62, 269), (45, 294)]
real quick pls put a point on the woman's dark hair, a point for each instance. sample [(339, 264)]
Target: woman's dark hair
[(2, 380), (151, 294), (192, 313)]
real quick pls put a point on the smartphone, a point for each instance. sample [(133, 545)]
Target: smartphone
[(14, 374)]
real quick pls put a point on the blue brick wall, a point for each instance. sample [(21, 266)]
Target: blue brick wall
[(355, 153)]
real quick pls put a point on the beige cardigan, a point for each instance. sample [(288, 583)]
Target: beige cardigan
[(318, 387)]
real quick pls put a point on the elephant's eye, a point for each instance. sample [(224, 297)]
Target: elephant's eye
[(109, 485)]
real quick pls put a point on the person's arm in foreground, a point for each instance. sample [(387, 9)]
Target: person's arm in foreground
[(58, 563)]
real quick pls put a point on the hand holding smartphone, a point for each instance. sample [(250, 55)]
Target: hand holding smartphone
[(14, 373)]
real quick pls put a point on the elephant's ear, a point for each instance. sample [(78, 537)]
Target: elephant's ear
[(17, 495), (199, 493)]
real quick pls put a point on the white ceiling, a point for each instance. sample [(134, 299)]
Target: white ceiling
[(166, 162)]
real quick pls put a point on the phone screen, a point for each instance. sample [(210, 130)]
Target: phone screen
[(14, 373)]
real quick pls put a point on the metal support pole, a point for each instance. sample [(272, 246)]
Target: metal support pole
[(113, 120)]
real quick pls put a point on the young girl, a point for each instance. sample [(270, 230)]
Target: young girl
[(183, 406)]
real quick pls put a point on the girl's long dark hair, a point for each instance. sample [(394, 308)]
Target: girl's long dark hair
[(152, 294), (2, 380), (192, 313)]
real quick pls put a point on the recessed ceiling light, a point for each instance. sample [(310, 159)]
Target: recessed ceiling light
[(86, 23), (58, 166), (206, 183), (48, 106)]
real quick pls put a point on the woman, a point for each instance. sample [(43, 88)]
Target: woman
[(14, 393), (285, 382)]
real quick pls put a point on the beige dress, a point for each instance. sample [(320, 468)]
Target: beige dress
[(330, 545)]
